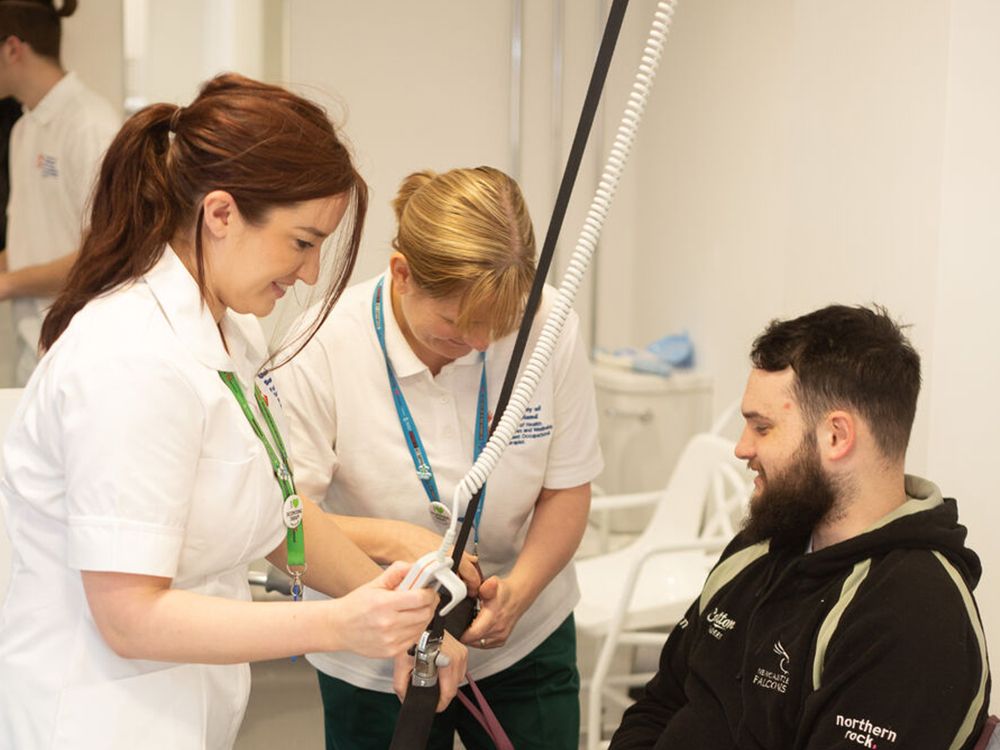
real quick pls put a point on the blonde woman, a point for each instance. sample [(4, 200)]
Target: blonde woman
[(390, 402)]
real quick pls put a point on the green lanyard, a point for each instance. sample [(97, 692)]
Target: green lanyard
[(292, 504)]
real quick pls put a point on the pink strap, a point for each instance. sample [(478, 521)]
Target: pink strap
[(485, 716)]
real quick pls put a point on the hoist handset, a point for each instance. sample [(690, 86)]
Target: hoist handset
[(430, 571)]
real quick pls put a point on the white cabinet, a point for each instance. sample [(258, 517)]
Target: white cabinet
[(645, 422)]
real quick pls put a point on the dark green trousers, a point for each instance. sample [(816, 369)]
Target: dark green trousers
[(537, 701)]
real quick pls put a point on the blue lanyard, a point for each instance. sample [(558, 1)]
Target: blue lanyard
[(410, 433)]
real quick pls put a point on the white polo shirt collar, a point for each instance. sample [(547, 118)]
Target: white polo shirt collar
[(404, 362), (177, 294), (58, 96)]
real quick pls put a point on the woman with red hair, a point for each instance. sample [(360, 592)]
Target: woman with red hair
[(146, 467)]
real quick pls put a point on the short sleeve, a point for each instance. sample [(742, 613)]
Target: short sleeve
[(131, 442), (575, 454), (305, 387)]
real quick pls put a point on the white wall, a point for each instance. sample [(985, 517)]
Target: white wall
[(426, 90), (964, 409), (93, 47), (713, 185), (434, 93), (173, 47)]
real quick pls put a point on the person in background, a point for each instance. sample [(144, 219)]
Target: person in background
[(55, 150), (146, 466), (390, 403), (10, 110), (842, 615)]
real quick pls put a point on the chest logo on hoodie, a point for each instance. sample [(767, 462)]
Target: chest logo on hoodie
[(719, 623), (774, 680)]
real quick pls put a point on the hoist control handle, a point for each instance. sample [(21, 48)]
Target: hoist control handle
[(431, 571)]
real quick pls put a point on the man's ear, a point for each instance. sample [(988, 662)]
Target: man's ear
[(12, 48), (402, 277), (220, 213), (836, 435)]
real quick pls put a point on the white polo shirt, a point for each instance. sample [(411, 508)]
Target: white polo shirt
[(55, 152), (349, 452), (129, 454)]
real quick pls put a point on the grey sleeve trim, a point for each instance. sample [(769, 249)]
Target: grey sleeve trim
[(826, 630), (965, 730), (726, 570)]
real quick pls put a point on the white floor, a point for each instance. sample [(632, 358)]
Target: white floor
[(8, 351), (285, 710)]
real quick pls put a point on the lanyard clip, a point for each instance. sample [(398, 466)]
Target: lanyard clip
[(296, 572)]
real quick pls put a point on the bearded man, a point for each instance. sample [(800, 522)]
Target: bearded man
[(847, 597)]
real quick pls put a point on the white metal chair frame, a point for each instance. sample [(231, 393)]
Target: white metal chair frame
[(706, 494)]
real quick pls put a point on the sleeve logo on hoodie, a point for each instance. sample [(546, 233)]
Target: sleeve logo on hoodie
[(863, 732)]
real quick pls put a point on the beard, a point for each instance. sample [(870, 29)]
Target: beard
[(791, 503)]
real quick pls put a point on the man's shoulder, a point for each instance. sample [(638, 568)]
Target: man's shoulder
[(85, 116), (741, 553), (917, 576)]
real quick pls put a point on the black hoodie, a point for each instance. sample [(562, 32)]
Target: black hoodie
[(874, 642)]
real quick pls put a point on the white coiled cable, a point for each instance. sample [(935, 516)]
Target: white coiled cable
[(586, 244)]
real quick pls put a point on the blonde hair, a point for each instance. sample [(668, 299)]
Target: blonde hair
[(467, 232)]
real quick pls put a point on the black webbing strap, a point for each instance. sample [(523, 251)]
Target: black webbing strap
[(416, 715), (590, 102), (414, 725)]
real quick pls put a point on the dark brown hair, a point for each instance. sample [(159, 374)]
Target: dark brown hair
[(848, 357), (264, 145), (36, 22)]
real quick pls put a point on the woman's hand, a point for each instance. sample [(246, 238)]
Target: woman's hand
[(453, 673), (377, 621), (501, 608), (556, 529), (449, 674)]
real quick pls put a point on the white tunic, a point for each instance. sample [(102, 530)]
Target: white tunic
[(130, 454), (55, 152), (349, 451)]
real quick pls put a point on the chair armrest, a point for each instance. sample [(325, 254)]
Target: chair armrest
[(706, 544), (703, 544), (604, 503)]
